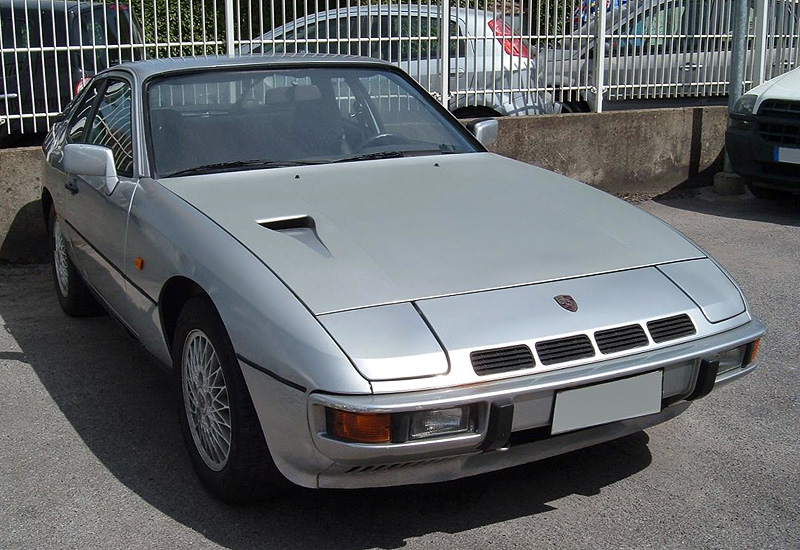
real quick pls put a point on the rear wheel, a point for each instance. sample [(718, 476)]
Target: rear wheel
[(767, 193), (73, 295), (219, 423)]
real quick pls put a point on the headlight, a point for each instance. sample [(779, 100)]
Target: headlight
[(731, 359), (745, 104), (439, 422)]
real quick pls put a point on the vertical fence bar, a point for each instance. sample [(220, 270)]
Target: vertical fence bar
[(600, 55), (444, 50), (760, 50), (229, 44)]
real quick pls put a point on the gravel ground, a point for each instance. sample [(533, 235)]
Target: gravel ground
[(91, 454)]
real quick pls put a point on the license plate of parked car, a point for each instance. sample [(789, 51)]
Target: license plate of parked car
[(787, 154), (609, 402)]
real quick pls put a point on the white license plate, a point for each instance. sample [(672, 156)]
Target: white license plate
[(787, 154), (608, 402)]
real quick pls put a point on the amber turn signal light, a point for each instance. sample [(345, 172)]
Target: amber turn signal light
[(361, 428), (751, 357)]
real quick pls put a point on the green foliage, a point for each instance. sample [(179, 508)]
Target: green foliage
[(166, 22)]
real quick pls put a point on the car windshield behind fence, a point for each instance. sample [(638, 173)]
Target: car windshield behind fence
[(217, 120)]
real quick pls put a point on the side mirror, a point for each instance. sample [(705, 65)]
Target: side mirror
[(484, 130), (91, 161)]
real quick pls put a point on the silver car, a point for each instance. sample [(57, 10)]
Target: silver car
[(350, 291), (489, 65), (659, 49)]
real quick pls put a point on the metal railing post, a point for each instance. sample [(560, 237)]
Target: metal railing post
[(760, 50), (738, 52), (444, 50), (229, 22), (600, 55)]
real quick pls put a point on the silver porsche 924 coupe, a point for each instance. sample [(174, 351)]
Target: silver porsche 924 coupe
[(352, 292)]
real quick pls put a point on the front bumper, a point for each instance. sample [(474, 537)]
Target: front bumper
[(353, 465), (754, 158)]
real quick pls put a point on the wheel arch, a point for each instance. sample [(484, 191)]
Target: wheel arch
[(174, 294), (47, 205)]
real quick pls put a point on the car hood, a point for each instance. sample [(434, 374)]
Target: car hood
[(352, 235), (785, 86)]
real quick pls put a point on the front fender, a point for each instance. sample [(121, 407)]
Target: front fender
[(268, 325)]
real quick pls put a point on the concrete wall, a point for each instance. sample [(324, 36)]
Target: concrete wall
[(644, 152), (629, 153), (22, 228)]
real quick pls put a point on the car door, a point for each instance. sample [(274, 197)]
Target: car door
[(421, 49), (96, 217), (644, 54)]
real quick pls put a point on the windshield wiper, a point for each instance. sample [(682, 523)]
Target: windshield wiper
[(370, 156), (398, 154), (233, 165)]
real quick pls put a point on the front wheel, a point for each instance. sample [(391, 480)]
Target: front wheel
[(219, 423), (73, 295)]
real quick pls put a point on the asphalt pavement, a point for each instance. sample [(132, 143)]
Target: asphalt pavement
[(91, 453)]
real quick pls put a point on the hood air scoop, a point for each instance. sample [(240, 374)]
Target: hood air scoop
[(301, 228)]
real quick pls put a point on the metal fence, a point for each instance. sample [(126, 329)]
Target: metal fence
[(507, 57)]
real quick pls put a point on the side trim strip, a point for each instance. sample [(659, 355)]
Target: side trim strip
[(110, 263), (271, 374)]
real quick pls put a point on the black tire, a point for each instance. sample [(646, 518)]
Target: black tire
[(769, 194), (575, 107), (73, 295), (247, 473), (465, 113)]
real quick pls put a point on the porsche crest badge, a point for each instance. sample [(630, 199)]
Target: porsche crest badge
[(567, 302)]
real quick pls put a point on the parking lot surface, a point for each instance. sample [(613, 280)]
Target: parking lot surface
[(91, 453)]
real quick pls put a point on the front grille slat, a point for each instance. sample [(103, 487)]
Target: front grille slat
[(493, 361), (564, 349), (573, 348), (621, 338), (671, 328), (779, 122)]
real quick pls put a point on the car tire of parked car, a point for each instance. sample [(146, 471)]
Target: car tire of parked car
[(575, 107), (767, 193), (73, 295), (466, 113), (218, 420)]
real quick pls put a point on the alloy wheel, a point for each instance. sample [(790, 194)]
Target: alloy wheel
[(206, 401)]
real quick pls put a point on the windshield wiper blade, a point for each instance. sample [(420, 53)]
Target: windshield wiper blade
[(223, 166), (370, 156)]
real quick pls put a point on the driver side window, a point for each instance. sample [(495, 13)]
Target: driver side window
[(111, 125), (77, 128)]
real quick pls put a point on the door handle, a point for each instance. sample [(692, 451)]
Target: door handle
[(9, 96), (71, 186), (692, 66), (459, 71)]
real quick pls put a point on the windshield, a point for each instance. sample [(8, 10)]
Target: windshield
[(221, 120)]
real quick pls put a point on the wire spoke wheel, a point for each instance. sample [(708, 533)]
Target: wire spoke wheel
[(60, 259), (206, 401)]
